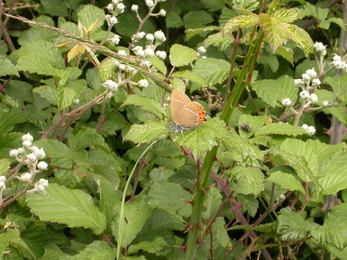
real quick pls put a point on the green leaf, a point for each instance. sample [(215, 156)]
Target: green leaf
[(213, 71), (329, 236), (54, 148), (6, 67), (280, 129), (55, 8), (48, 92), (286, 15), (147, 133), (6, 238), (157, 244), (4, 166), (136, 214), (243, 21), (220, 40), (187, 74), (326, 23), (246, 180), (286, 53), (60, 200), (9, 119), (87, 137), (203, 137), (196, 19), (291, 225), (286, 181), (169, 197), (66, 97), (158, 64), (97, 250), (89, 14), (147, 104), (173, 20), (107, 68), (339, 85), (181, 55)]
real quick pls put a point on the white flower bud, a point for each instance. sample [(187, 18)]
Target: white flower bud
[(159, 36), (336, 57), (304, 94), (143, 83), (27, 137), (139, 35), (325, 103), (27, 143), (40, 153), (140, 53), (134, 8), (110, 7), (43, 182), (338, 64), (13, 153), (31, 157), (2, 178), (149, 53), (111, 85), (2, 185), (286, 102), (311, 73), (150, 37), (120, 7), (313, 98), (201, 50), (25, 177), (42, 166), (115, 1), (76, 101), (113, 20), (121, 67), (116, 39), (162, 12), (161, 54), (310, 130), (298, 83), (147, 63), (149, 3), (316, 82), (33, 148), (306, 77), (21, 151), (122, 52)]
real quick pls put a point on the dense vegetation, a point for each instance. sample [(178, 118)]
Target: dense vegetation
[(93, 166)]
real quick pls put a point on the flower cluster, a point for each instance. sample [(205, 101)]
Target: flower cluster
[(115, 8), (309, 129), (30, 156), (338, 63)]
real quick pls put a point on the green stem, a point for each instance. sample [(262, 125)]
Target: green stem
[(201, 185)]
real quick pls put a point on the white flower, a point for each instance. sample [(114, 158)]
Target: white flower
[(110, 7), (306, 77), (311, 73), (201, 50), (298, 83), (143, 83), (150, 37), (113, 20), (134, 8), (325, 103), (2, 178), (42, 166), (149, 3), (304, 94), (122, 52), (27, 137), (313, 98), (336, 57), (159, 36), (316, 82), (161, 54), (286, 102), (149, 53), (25, 177), (116, 39), (310, 130), (111, 85), (13, 153), (338, 64), (43, 182), (27, 143), (40, 153), (162, 12), (319, 47), (31, 157)]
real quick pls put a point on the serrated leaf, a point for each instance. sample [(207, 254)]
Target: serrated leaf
[(326, 23), (187, 74), (55, 8), (268, 90), (147, 133), (280, 129), (339, 85), (181, 55), (196, 19), (106, 68), (58, 200), (136, 214), (6, 67), (243, 21), (75, 51), (246, 180), (4, 166), (173, 20), (202, 138), (169, 197), (96, 250), (89, 14), (149, 246), (286, 53), (286, 15), (301, 38), (291, 225), (213, 71), (329, 235), (66, 97), (286, 181), (147, 104), (220, 40), (158, 64), (9, 119), (54, 148)]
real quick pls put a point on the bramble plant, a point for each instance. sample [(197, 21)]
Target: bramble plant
[(264, 177)]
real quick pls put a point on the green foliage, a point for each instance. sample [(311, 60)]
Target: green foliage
[(263, 178)]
